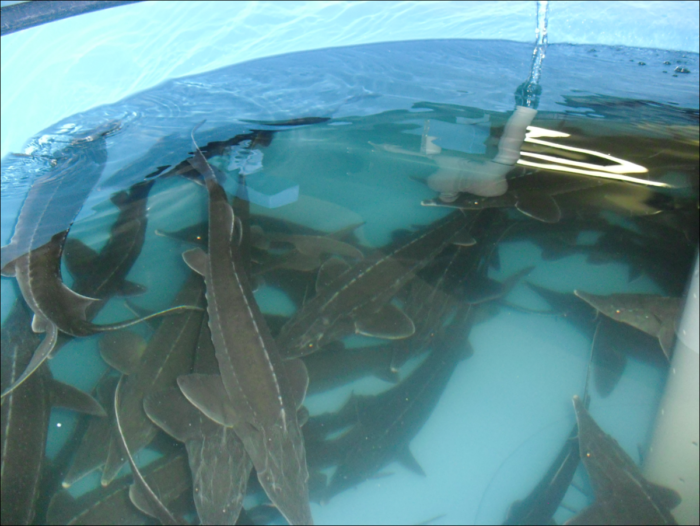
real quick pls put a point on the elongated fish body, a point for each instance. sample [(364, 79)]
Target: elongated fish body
[(104, 505), (545, 498), (169, 354), (34, 253), (103, 275), (372, 281), (218, 461), (25, 417), (257, 394), (387, 422), (55, 199), (622, 494)]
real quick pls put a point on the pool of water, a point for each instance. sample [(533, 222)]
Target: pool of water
[(348, 140)]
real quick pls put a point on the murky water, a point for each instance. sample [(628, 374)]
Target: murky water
[(340, 149)]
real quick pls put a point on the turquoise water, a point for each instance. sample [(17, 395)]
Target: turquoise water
[(506, 410)]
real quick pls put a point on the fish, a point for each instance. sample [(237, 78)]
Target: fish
[(387, 422), (103, 275), (55, 198), (168, 355), (622, 494), (359, 296), (340, 366), (59, 308), (25, 417), (104, 505), (140, 494), (650, 313), (534, 195), (94, 444), (256, 393), (219, 464), (542, 502), (614, 342)]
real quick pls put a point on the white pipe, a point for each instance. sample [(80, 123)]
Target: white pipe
[(673, 455), (486, 179)]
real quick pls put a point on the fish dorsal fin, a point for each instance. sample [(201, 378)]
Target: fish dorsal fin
[(665, 497), (298, 378), (69, 397), (120, 199), (174, 414), (122, 350), (407, 460), (80, 258), (539, 206), (330, 271), (208, 394), (388, 322), (196, 259)]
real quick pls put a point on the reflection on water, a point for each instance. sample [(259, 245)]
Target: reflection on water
[(444, 336)]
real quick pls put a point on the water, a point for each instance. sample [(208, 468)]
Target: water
[(506, 410)]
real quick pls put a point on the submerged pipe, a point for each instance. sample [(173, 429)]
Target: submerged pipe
[(24, 15), (673, 455)]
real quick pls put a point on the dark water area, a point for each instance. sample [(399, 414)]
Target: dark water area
[(444, 334)]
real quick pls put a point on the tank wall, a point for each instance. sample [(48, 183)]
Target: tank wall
[(55, 70)]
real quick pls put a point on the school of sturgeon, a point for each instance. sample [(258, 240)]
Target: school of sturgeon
[(228, 381)]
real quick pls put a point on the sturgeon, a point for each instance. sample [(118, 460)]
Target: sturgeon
[(257, 394), (623, 495), (361, 294)]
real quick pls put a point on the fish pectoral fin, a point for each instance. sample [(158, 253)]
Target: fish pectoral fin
[(298, 378), (464, 239), (76, 303), (196, 259), (593, 514), (39, 323), (539, 206), (608, 361), (667, 334), (129, 288), (303, 415), (38, 358), (389, 322), (69, 397), (122, 350), (80, 258), (207, 393), (407, 460), (388, 375), (8, 269), (664, 496), (174, 414), (329, 271)]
